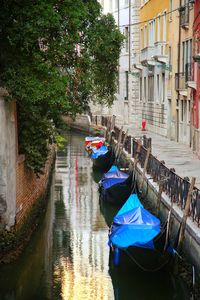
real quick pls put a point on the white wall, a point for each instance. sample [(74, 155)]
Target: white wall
[(7, 164)]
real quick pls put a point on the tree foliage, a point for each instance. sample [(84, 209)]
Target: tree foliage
[(56, 56)]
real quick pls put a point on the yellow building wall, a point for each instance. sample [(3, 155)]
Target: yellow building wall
[(186, 34), (150, 10)]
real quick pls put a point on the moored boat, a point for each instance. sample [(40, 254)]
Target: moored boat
[(137, 238), (103, 158), (92, 142), (115, 187)]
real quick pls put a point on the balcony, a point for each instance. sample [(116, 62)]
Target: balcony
[(189, 76), (147, 55), (188, 72), (184, 16), (180, 83), (136, 61), (159, 53)]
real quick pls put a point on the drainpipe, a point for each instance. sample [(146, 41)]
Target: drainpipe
[(129, 62), (118, 10), (179, 68)]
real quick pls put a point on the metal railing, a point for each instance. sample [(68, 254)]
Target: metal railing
[(184, 15), (180, 81), (174, 186), (188, 72)]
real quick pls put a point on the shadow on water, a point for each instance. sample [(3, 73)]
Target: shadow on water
[(145, 286), (67, 258)]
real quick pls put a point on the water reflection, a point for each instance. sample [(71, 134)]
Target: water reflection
[(80, 265), (68, 256)]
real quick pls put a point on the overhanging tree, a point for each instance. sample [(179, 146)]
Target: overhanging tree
[(55, 57)]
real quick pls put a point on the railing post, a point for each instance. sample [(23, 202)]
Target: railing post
[(145, 166), (161, 185), (185, 215)]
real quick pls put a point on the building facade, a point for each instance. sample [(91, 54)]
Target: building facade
[(182, 65), (125, 13), (196, 79), (159, 73), (153, 65)]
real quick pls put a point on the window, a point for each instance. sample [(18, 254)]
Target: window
[(110, 6), (158, 29), (158, 88), (164, 27), (126, 33), (145, 88), (151, 88), (186, 54), (142, 39), (126, 2), (189, 112), (140, 88), (183, 57), (151, 33), (145, 36), (170, 10), (154, 31), (182, 111), (163, 87), (116, 4), (126, 86), (170, 58)]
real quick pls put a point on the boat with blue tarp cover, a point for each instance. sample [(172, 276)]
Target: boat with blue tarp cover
[(137, 237), (103, 158), (116, 186)]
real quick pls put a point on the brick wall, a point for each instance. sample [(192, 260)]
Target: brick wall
[(29, 188)]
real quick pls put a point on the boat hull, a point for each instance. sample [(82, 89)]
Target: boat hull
[(147, 260), (104, 162), (118, 193)]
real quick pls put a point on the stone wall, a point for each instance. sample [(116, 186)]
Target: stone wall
[(29, 187)]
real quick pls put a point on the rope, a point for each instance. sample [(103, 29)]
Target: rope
[(145, 269)]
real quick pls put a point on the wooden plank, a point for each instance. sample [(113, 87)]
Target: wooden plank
[(118, 142), (136, 158), (161, 186), (121, 146), (185, 215), (145, 166), (111, 128)]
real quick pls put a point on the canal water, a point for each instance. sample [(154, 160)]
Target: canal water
[(67, 258)]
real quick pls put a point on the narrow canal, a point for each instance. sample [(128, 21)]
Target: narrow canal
[(68, 256)]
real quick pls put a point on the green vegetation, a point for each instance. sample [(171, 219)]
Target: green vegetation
[(56, 56)]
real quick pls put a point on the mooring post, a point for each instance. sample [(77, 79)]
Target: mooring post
[(111, 128), (108, 126), (185, 215), (118, 142), (136, 157), (121, 146), (161, 186), (145, 166)]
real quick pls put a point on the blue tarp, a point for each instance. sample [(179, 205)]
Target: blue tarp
[(115, 174), (134, 227), (106, 184), (113, 169), (131, 203), (98, 152)]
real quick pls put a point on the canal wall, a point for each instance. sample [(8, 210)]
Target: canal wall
[(30, 187), (22, 193), (175, 197), (149, 192)]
